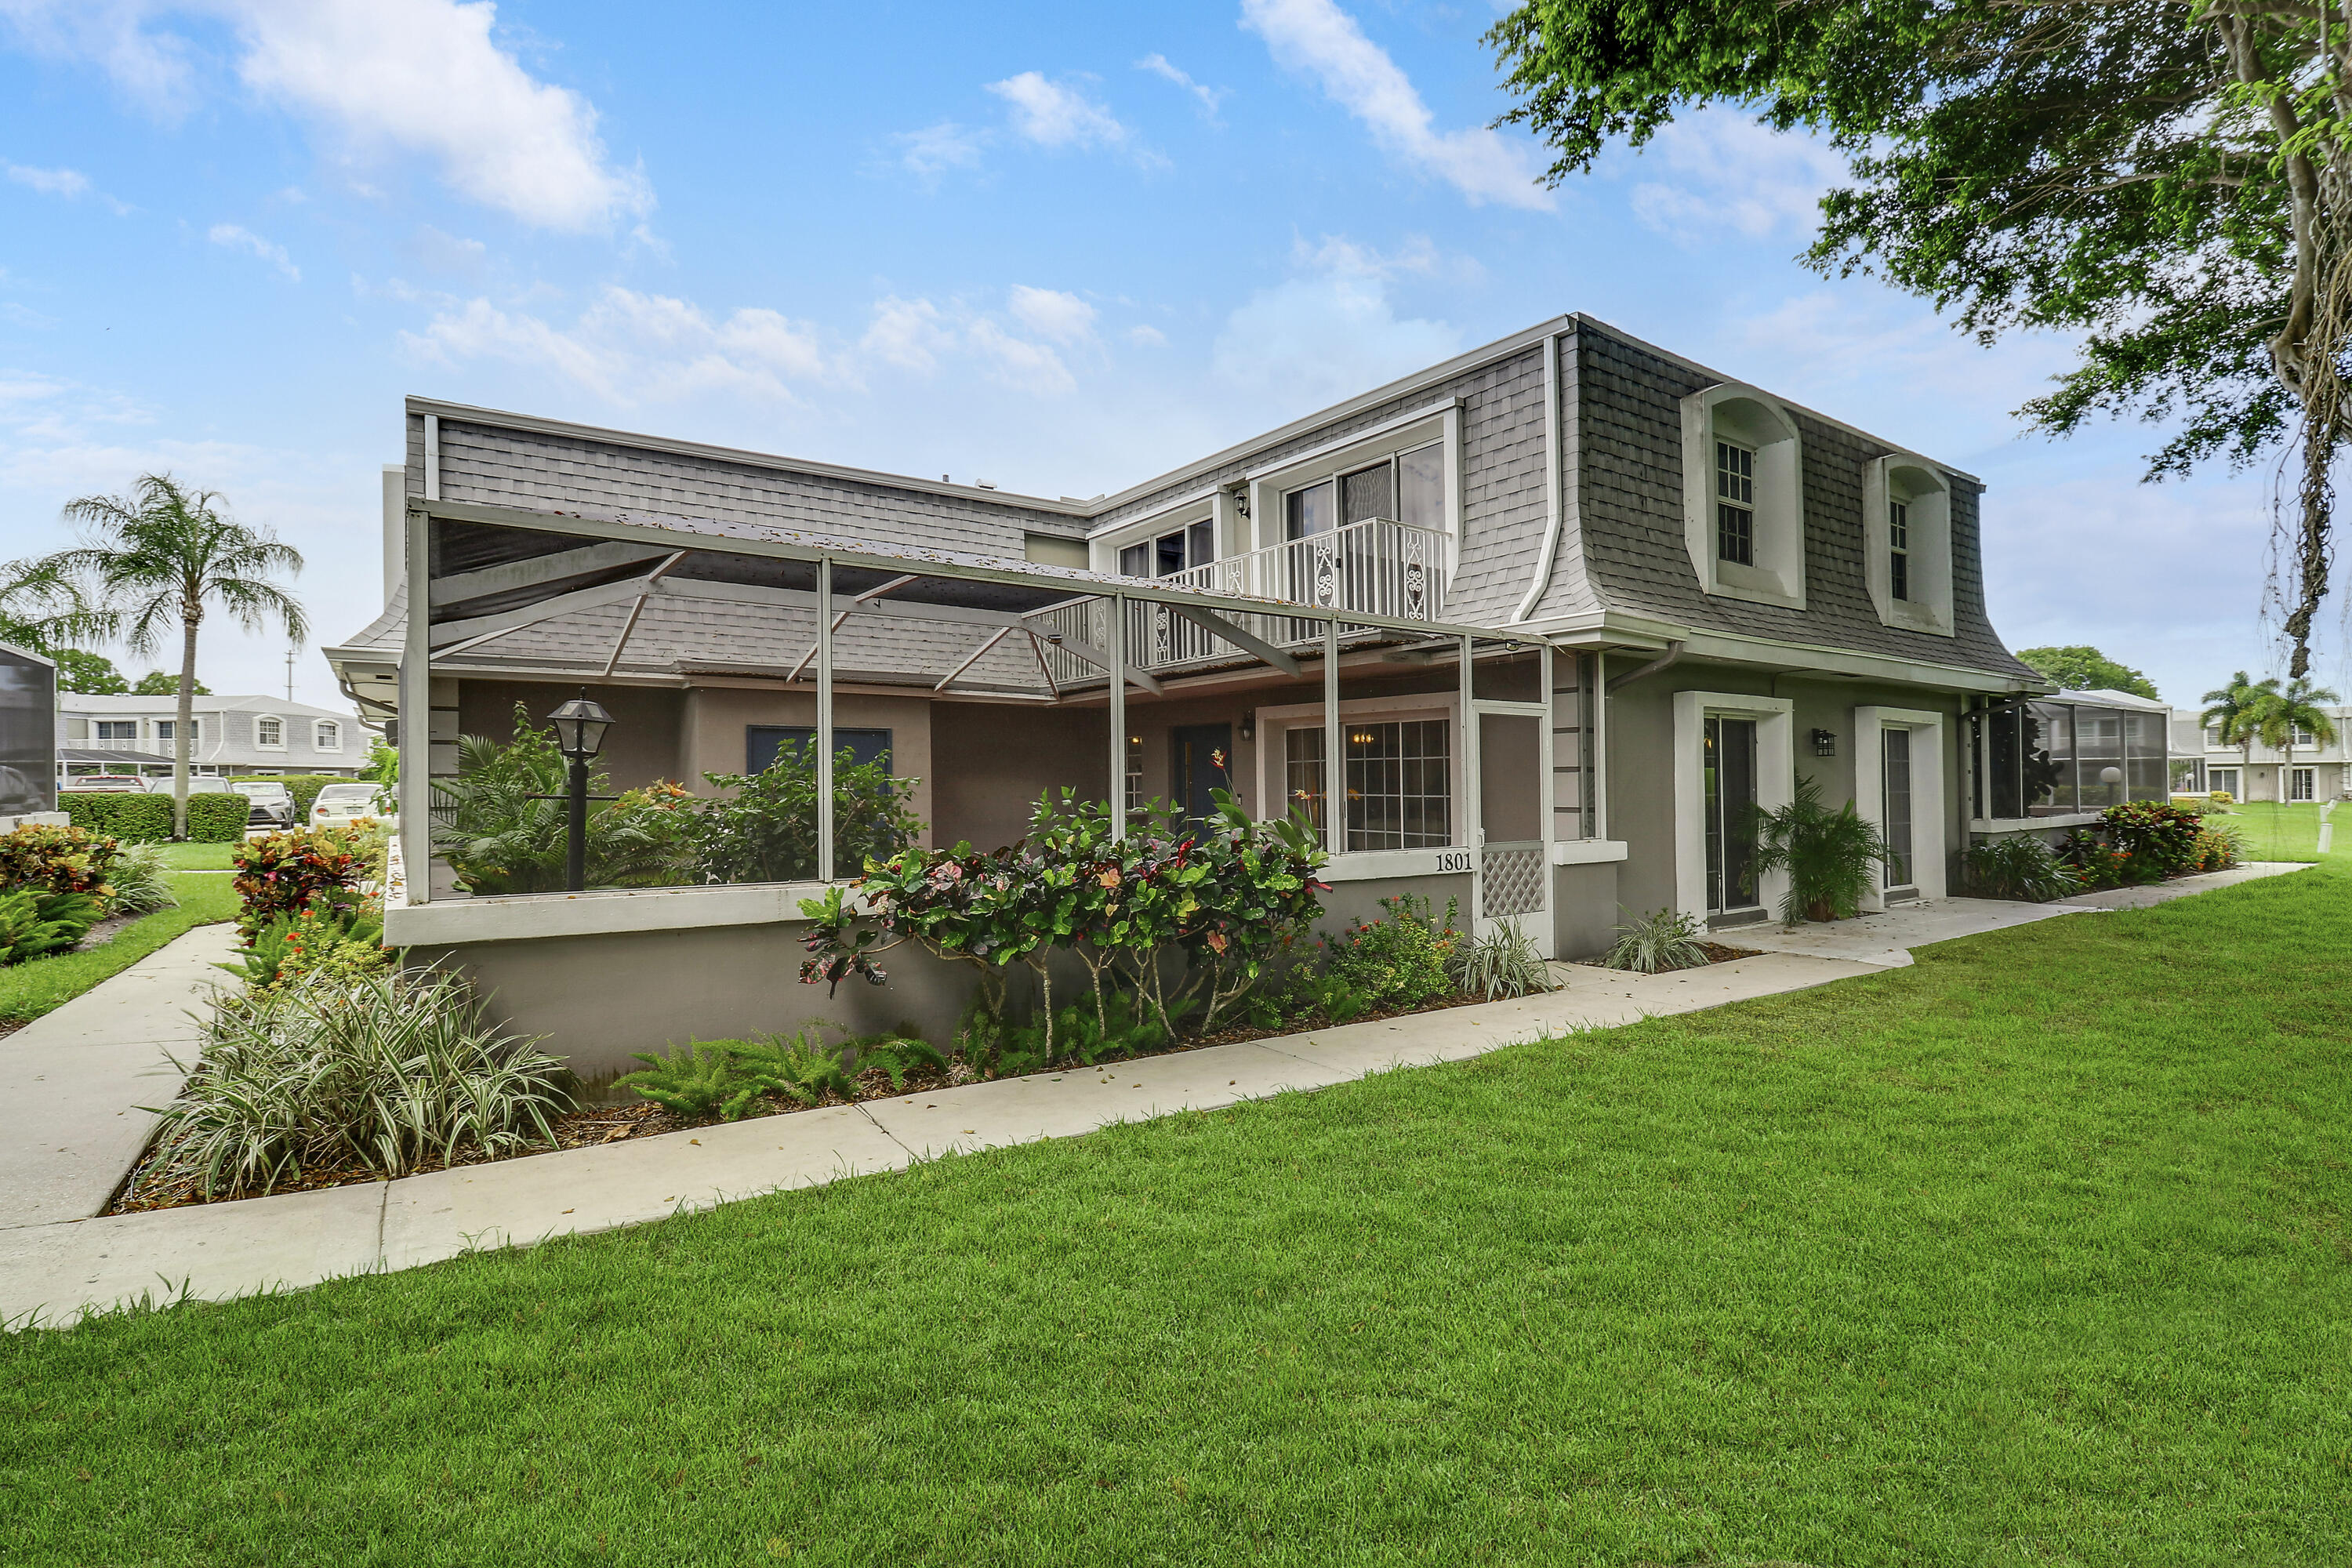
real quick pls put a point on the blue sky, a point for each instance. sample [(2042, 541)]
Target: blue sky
[(1058, 247)]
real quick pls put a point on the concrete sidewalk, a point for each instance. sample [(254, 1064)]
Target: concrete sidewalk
[(54, 1272), (76, 1079)]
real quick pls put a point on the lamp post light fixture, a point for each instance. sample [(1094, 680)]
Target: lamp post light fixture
[(580, 726)]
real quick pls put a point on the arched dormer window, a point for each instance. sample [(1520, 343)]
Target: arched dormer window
[(1743, 498), (1906, 522)]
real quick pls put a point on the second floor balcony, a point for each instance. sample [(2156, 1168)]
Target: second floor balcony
[(1375, 567)]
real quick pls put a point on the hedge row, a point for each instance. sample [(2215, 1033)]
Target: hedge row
[(215, 817), (303, 787)]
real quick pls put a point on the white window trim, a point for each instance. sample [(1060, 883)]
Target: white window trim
[(1929, 608), (1928, 849), (1273, 724), (261, 745), (1776, 783), (1441, 422), (337, 748), (1778, 575), (1209, 505)]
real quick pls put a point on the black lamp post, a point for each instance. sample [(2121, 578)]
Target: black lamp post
[(580, 726)]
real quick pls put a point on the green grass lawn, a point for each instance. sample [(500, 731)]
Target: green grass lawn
[(198, 856), (30, 990), (2034, 1253), (2289, 832)]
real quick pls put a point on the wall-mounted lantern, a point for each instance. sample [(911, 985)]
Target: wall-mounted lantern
[(1825, 742)]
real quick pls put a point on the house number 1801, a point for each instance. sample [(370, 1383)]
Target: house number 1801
[(1456, 860)]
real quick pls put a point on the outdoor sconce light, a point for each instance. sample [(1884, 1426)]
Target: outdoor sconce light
[(580, 726), (1825, 742), (1249, 724)]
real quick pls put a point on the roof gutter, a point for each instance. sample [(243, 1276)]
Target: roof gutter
[(1665, 660), (1542, 579)]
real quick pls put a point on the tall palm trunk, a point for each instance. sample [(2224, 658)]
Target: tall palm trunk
[(182, 743)]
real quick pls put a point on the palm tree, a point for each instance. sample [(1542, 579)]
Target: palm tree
[(160, 557), (2287, 710), (43, 609), (2236, 709)]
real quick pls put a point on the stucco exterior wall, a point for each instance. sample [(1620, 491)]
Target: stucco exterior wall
[(641, 746)]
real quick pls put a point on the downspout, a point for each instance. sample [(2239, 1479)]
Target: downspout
[(1552, 480), (1665, 660)]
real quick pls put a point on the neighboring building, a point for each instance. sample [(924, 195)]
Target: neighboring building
[(1568, 606), (28, 695), (2317, 770), (233, 737)]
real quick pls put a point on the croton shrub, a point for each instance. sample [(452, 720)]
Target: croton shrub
[(57, 860), (288, 873), (1184, 917)]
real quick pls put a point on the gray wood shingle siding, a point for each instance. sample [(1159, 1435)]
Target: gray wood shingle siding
[(1628, 484), (503, 466)]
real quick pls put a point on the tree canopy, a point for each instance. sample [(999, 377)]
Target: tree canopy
[(163, 683), (2165, 179), (2080, 668), (89, 673)]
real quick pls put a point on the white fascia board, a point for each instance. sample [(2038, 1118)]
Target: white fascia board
[(1146, 522), (1587, 851), (1367, 437), (1620, 630)]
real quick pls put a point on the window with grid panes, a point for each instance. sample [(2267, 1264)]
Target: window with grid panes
[(1735, 504), (1898, 549)]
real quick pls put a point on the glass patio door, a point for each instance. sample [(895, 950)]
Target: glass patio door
[(1728, 766), (1895, 807)]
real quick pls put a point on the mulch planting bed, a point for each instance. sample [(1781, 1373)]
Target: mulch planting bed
[(591, 1124)]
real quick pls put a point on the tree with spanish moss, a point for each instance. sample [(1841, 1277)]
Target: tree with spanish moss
[(2170, 181)]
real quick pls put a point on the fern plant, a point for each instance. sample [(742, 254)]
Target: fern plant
[(34, 924), (1503, 964), (1658, 942), (697, 1079), (1831, 857)]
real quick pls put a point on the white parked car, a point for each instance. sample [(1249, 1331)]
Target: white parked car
[(341, 805)]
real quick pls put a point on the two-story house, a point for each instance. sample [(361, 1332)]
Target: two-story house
[(230, 737), (2312, 768), (1534, 630)]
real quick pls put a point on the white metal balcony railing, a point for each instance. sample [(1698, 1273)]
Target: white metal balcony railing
[(122, 743), (1377, 567)]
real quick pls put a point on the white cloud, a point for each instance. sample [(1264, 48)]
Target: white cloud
[(66, 183), (1147, 337), (1050, 313), (909, 333), (1025, 366), (630, 347), (1209, 97), (70, 184), (1054, 115), (17, 315), (236, 238), (1317, 37), (1729, 177), (1330, 332), (382, 76), (936, 149)]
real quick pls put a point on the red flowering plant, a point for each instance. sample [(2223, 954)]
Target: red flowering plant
[(59, 859), (287, 873), (1221, 897)]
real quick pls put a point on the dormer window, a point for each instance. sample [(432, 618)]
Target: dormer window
[(1907, 526), (1735, 504), (1898, 549), (269, 733), (1408, 488), (1743, 503)]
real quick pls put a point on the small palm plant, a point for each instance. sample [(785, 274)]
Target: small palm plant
[(1831, 857)]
